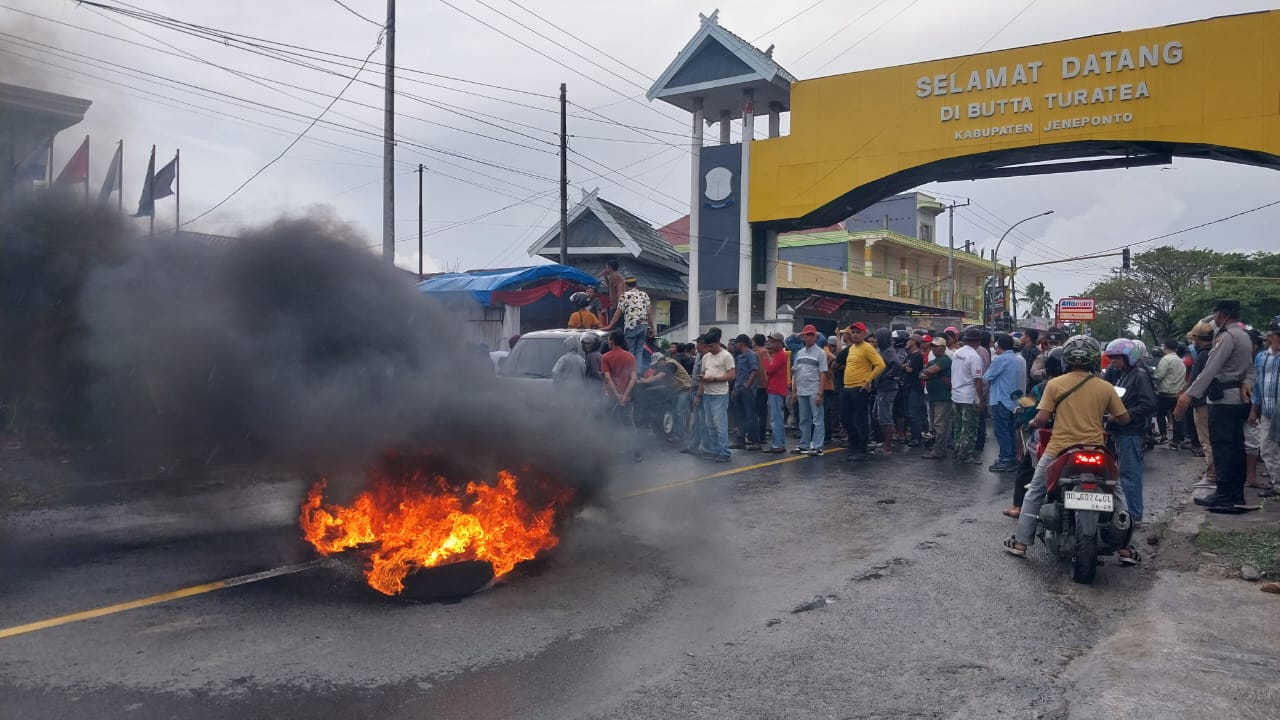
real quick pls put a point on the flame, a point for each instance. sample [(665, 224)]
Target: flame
[(426, 521)]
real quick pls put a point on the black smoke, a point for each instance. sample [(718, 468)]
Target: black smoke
[(290, 345)]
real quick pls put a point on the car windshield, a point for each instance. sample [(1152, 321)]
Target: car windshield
[(533, 357)]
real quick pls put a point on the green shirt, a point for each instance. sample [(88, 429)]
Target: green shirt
[(939, 386)]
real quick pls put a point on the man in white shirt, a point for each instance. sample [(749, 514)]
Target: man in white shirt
[(718, 368), (968, 396), (809, 368)]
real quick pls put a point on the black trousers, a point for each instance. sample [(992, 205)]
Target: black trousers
[(1164, 410), (855, 406), (830, 411), (762, 411), (1226, 435)]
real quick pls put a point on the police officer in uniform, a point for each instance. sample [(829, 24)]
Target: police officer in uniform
[(1225, 383)]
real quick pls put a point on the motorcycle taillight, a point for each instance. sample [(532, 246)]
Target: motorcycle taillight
[(1090, 459), (1089, 487)]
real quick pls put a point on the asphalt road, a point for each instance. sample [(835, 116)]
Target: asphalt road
[(675, 598)]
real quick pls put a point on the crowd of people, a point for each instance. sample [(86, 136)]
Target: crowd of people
[(886, 392)]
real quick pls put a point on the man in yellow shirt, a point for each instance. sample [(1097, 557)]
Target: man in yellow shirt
[(861, 368)]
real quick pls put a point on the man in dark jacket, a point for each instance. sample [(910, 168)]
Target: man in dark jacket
[(1140, 401)]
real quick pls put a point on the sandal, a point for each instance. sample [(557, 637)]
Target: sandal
[(1010, 545), (1012, 512), (1133, 558)]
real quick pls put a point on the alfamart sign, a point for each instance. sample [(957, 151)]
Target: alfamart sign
[(1120, 85), (1199, 89)]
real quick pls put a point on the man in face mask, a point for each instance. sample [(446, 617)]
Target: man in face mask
[(1224, 382)]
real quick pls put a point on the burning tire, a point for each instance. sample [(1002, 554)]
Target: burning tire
[(429, 536)]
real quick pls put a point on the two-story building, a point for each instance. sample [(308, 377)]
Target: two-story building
[(881, 264)]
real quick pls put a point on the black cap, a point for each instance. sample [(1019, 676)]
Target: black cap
[(744, 339), (1057, 335), (1226, 305), (972, 334)]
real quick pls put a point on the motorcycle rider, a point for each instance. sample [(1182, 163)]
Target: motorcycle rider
[(1077, 402), (1140, 401)]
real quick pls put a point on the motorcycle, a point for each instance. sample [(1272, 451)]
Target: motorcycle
[(1079, 521)]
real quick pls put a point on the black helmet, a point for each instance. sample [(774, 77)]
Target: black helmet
[(900, 338), (1053, 362), (579, 299), (1081, 351)]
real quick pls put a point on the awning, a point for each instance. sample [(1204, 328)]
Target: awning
[(510, 285)]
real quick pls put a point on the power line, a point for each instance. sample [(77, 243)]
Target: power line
[(346, 129), (377, 45), (864, 38), (347, 7), (784, 22), (844, 27), (556, 61)]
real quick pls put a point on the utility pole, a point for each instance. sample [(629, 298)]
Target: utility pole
[(421, 168), (564, 177), (388, 142), (951, 254)]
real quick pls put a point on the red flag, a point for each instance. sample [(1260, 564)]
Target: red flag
[(77, 168)]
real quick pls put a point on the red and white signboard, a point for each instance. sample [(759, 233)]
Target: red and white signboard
[(1076, 310)]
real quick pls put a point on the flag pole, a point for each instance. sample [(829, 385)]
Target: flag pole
[(177, 191), (49, 169), (120, 174), (150, 188), (86, 171)]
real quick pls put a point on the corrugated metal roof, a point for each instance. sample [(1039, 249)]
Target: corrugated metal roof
[(651, 243)]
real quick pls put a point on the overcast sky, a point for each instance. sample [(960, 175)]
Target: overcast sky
[(469, 176)]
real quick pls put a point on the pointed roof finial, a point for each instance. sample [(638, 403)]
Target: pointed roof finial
[(710, 18)]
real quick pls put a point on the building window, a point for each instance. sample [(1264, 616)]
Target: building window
[(926, 232)]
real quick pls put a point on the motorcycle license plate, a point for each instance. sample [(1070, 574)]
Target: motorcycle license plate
[(1100, 502)]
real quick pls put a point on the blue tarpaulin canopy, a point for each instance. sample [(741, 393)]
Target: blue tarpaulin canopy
[(481, 284)]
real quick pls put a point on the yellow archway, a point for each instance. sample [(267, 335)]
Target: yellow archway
[(1209, 88)]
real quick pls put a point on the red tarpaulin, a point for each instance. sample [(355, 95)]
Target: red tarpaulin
[(530, 295)]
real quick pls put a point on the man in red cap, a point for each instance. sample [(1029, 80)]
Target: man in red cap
[(808, 371)]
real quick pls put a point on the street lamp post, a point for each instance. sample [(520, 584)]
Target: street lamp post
[(994, 252)]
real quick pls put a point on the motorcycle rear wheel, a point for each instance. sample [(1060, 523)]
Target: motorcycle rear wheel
[(1084, 563)]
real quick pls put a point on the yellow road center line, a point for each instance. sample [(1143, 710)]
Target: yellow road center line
[(156, 599), (723, 473), (291, 569)]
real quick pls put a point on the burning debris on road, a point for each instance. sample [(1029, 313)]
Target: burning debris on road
[(290, 346), (414, 516)]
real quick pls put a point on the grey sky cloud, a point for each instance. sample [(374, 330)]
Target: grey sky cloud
[(222, 144)]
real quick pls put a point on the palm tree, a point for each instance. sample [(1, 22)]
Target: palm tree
[(1038, 299)]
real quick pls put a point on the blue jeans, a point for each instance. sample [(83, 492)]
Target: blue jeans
[(777, 409), (717, 419), (812, 424), (744, 402), (697, 426), (635, 343), (682, 416), (1129, 455), (1034, 499), (1002, 423)]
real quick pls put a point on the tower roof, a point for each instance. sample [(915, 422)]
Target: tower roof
[(717, 66)]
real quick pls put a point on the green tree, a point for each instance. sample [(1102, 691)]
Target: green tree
[(1147, 295), (1038, 299)]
